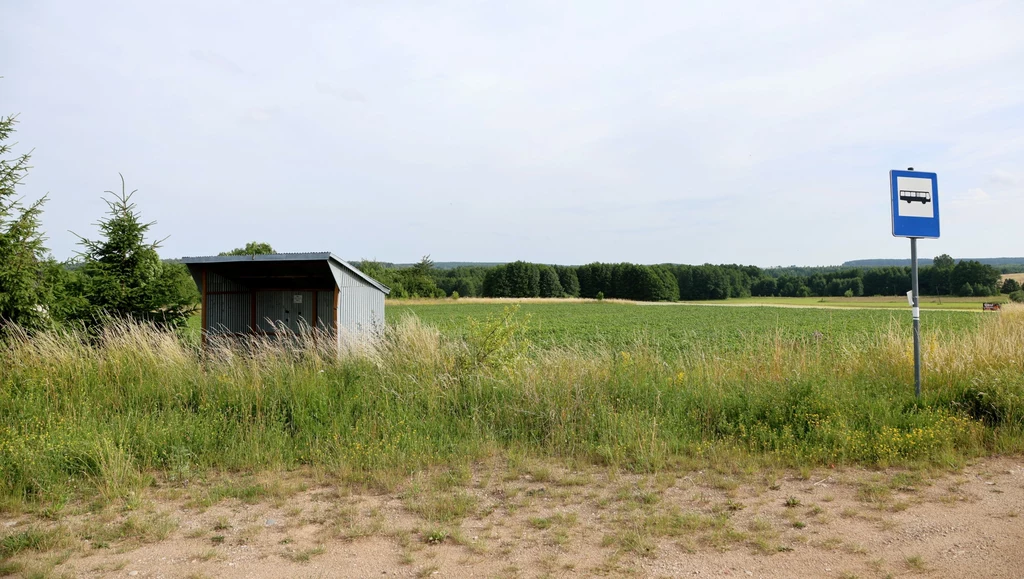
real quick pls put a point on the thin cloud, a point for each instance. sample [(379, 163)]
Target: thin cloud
[(260, 114), (1005, 179), (218, 61), (346, 94), (971, 198)]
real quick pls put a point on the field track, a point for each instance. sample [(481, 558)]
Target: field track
[(535, 519)]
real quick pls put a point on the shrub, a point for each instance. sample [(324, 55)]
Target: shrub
[(497, 340), (965, 290), (599, 296), (1017, 296), (455, 295)]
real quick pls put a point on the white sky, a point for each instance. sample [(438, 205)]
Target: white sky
[(556, 132)]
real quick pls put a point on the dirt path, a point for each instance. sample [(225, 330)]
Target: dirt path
[(540, 520)]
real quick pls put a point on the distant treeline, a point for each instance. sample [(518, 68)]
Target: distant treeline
[(1003, 264), (672, 282), (437, 264)]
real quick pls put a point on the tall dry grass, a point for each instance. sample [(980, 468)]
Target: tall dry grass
[(106, 409)]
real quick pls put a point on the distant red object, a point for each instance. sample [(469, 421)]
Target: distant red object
[(990, 307)]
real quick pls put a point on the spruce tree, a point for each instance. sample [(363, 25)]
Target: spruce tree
[(124, 274), (23, 293)]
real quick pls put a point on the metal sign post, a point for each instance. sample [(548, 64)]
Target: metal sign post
[(915, 214), (916, 309)]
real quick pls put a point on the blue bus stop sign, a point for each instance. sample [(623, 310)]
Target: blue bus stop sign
[(915, 204)]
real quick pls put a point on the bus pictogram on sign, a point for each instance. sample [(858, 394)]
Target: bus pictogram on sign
[(912, 196)]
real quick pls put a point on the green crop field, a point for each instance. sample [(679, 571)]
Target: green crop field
[(579, 321), (673, 329), (878, 302)]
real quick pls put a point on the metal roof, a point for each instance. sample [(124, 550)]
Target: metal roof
[(285, 257)]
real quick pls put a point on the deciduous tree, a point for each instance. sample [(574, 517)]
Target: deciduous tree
[(549, 284), (251, 248), (569, 280)]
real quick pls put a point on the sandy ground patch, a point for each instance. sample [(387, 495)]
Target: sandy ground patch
[(543, 520)]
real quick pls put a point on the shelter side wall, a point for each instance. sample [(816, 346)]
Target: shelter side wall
[(360, 305), (362, 309)]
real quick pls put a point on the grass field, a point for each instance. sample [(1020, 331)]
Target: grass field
[(884, 302), (637, 387), (873, 302), (672, 329)]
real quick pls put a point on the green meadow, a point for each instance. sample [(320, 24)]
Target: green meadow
[(672, 329), (637, 387)]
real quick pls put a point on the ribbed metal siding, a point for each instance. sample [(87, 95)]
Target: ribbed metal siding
[(360, 305), (358, 310), (218, 283), (325, 314), (269, 311), (279, 308), (302, 313), (227, 313)]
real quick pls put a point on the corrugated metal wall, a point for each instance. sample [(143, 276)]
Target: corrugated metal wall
[(288, 309), (325, 314), (232, 313), (269, 311), (361, 310), (228, 313), (218, 283), (360, 305)]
